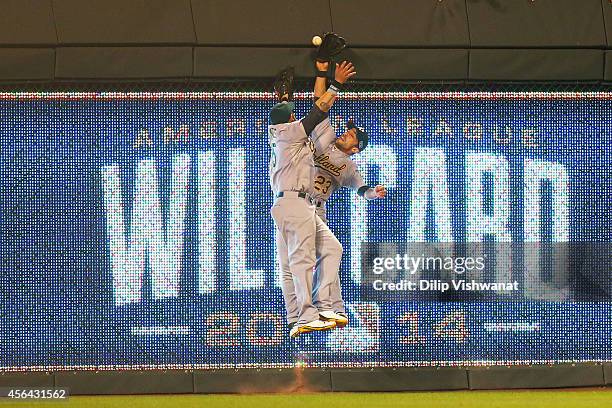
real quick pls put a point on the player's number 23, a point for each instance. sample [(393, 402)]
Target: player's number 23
[(322, 184)]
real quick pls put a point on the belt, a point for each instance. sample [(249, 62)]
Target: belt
[(294, 194), (319, 204)]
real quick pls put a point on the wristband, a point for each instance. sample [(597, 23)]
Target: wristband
[(321, 74), (334, 87), (370, 194), (337, 84), (362, 190)]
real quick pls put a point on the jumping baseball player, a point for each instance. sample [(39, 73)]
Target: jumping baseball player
[(291, 167), (334, 169)]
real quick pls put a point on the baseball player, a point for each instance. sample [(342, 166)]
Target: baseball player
[(291, 167), (334, 169)]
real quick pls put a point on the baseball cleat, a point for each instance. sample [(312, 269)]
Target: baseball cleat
[(294, 332), (315, 325), (341, 320)]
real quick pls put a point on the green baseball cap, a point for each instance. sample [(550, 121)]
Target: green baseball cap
[(281, 112)]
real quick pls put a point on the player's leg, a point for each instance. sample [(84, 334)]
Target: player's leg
[(337, 303), (336, 291), (329, 255), (336, 298), (287, 285), (295, 221)]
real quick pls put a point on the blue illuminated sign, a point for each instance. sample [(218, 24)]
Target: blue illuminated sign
[(136, 229)]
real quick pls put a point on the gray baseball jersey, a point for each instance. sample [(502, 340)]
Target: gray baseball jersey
[(334, 170), (323, 135), (291, 162)]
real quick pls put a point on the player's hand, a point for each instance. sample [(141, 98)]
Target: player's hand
[(344, 71), (322, 66), (381, 191)]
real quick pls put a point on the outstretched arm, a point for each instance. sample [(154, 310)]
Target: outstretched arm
[(317, 114), (372, 193), (344, 72), (320, 81), (356, 182)]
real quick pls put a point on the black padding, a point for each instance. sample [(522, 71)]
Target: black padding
[(124, 22), (414, 23), (536, 65), (27, 380), (125, 382), (535, 377), (608, 69), (124, 62), (608, 374), (27, 22), (399, 379), (537, 23), (247, 62), (26, 63), (606, 6), (370, 63), (270, 22), (408, 64), (268, 380)]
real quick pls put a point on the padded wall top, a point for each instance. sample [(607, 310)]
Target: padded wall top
[(522, 40), (536, 23), (414, 23), (370, 63), (27, 64), (123, 21), (123, 62), (536, 65), (409, 64), (606, 7), (27, 22), (270, 22)]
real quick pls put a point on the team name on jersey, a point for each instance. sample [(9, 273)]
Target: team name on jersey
[(323, 162)]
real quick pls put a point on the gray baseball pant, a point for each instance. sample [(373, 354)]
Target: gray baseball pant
[(326, 292), (336, 291), (296, 224)]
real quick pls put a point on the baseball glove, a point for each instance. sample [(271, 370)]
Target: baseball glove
[(283, 84), (331, 46)]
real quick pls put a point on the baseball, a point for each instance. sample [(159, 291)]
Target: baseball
[(316, 40)]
